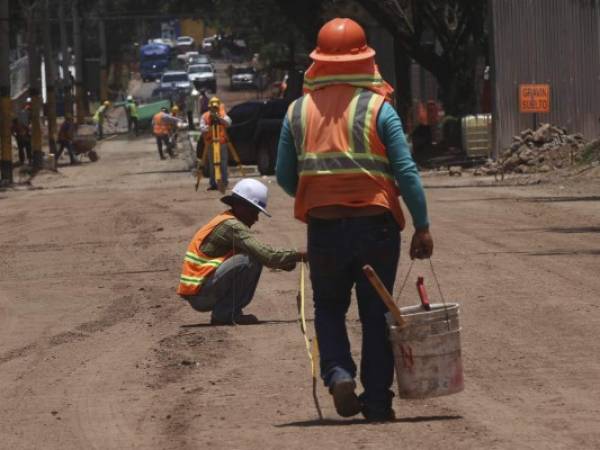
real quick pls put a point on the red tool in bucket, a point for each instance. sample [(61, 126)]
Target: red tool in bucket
[(425, 340)]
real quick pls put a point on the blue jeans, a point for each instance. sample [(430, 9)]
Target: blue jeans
[(337, 251), (224, 157), (230, 288)]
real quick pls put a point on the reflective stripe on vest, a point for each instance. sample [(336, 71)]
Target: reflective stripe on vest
[(197, 266), (341, 159), (358, 157), (329, 163)]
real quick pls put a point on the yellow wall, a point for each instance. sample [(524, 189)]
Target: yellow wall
[(196, 29)]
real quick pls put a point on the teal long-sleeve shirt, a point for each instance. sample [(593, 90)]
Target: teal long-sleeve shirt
[(389, 128)]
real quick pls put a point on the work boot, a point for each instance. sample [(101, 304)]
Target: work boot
[(242, 319), (341, 387), (375, 413)]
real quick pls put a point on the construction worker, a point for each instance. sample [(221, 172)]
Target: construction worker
[(132, 114), (343, 155), (21, 130), (215, 117), (190, 107), (100, 117), (66, 134), (174, 127), (223, 261), (162, 122)]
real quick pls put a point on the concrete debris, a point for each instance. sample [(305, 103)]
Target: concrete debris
[(455, 171), (537, 151)]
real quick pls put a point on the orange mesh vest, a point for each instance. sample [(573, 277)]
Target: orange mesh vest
[(208, 136), (197, 266), (160, 126), (341, 159)]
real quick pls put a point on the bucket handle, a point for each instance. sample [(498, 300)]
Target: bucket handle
[(437, 283)]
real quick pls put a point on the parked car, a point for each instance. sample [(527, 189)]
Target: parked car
[(255, 131), (199, 59), (176, 80), (185, 43), (208, 44), (184, 58), (243, 77), (203, 75)]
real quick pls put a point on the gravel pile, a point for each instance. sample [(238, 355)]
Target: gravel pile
[(543, 150)]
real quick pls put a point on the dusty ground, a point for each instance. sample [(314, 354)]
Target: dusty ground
[(97, 351)]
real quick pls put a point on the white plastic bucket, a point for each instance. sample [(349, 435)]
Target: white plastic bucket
[(427, 352)]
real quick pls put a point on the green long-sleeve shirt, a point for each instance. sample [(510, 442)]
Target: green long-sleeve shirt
[(234, 235)]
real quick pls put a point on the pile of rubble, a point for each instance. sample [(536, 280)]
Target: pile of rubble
[(543, 150)]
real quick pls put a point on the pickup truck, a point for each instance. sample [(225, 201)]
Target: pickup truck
[(255, 130)]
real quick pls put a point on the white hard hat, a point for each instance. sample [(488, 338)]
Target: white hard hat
[(28, 100), (195, 93), (129, 97), (251, 190)]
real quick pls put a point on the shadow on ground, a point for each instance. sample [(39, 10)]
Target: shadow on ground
[(342, 422)]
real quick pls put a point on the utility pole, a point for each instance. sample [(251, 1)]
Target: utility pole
[(34, 86), (6, 169), (50, 71), (66, 57), (78, 63), (103, 55)]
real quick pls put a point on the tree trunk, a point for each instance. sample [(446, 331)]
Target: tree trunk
[(79, 101), (66, 76), (103, 52), (34, 89), (50, 71), (6, 168)]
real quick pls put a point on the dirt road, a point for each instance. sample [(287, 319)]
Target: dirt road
[(97, 351)]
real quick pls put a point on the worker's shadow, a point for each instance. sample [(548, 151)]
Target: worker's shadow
[(262, 322), (345, 422)]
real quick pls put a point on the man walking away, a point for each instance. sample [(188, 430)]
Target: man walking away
[(20, 129), (223, 262), (132, 115), (343, 155), (161, 128), (212, 126), (66, 134)]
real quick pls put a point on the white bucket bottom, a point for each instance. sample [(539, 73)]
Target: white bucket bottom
[(427, 352)]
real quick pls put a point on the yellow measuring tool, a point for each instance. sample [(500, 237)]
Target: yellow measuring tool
[(216, 148), (312, 350), (236, 155)]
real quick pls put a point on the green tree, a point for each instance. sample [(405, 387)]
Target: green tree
[(446, 37)]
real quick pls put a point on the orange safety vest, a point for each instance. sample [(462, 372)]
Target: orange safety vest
[(208, 136), (197, 266), (161, 127), (341, 159)]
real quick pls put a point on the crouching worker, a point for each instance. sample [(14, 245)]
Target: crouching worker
[(223, 262)]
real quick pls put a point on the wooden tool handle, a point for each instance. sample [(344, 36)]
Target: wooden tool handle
[(385, 295)]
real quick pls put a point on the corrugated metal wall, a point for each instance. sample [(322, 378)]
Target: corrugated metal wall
[(546, 41)]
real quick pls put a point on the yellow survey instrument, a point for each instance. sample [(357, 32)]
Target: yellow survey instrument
[(216, 149), (236, 155), (312, 350)]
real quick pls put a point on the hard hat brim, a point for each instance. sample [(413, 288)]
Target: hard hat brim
[(365, 54), (229, 200)]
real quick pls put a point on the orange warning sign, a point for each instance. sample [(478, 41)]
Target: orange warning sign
[(534, 98)]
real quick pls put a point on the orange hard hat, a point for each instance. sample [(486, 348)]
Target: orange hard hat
[(340, 40)]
